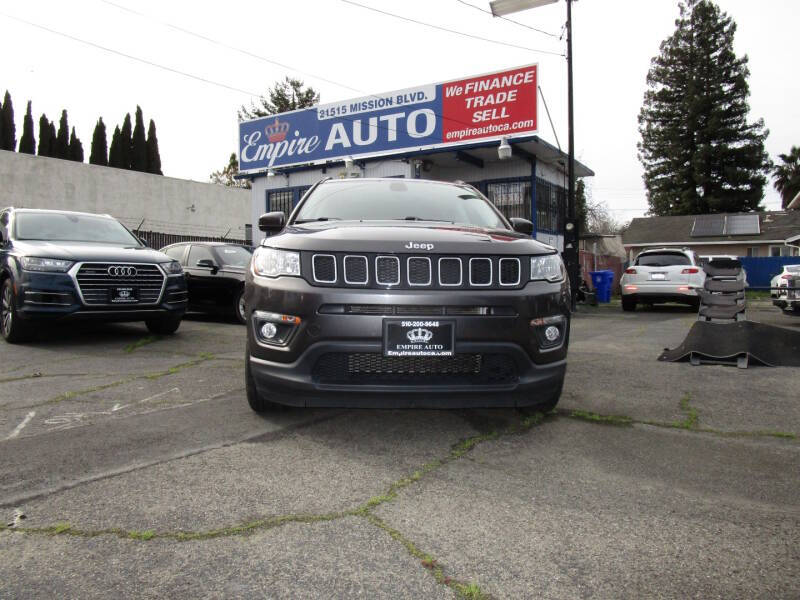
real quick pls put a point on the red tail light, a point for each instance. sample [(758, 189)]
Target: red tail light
[(690, 271), (630, 271), (787, 276)]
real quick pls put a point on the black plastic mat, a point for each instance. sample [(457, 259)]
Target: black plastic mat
[(766, 344)]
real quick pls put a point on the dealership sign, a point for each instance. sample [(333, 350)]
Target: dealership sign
[(484, 107)]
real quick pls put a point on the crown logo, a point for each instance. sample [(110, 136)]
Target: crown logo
[(419, 335), (276, 132)]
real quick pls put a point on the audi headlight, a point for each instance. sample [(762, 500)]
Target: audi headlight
[(47, 265), (269, 262), (172, 268), (549, 268)]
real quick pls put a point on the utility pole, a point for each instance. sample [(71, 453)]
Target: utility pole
[(571, 234)]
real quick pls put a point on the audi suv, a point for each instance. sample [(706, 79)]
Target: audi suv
[(403, 293), (71, 265)]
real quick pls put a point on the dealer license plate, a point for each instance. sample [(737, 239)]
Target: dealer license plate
[(658, 276), (124, 295), (418, 337)]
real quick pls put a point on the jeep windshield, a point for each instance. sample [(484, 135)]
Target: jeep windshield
[(70, 227), (399, 200)]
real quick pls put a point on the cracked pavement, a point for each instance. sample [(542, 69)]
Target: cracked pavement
[(141, 472)]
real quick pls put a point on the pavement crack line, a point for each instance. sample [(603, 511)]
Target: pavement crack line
[(458, 450), (690, 422), (98, 388)]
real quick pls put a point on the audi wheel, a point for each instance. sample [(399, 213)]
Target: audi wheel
[(239, 308), (13, 329)]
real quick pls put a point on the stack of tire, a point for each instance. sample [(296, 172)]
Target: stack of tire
[(722, 298)]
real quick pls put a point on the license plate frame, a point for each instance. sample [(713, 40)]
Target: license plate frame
[(419, 337), (658, 276), (123, 294)]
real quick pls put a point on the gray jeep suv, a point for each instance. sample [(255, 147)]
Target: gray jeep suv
[(401, 293)]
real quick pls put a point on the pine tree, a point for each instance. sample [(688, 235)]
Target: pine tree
[(115, 158), (8, 133), (44, 136), (787, 175), (27, 143), (284, 96), (699, 153), (62, 138), (52, 151), (99, 151), (126, 142), (153, 155), (75, 148), (139, 146)]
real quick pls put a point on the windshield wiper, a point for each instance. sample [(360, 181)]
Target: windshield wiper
[(317, 219), (421, 219)]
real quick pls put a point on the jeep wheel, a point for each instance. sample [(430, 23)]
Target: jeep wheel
[(628, 303), (257, 402), (14, 329), (239, 308), (164, 325)]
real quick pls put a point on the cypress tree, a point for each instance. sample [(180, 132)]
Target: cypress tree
[(139, 147), (153, 155), (52, 151), (115, 152), (99, 151), (44, 136), (62, 138), (699, 153), (8, 139), (75, 147), (126, 142), (27, 144)]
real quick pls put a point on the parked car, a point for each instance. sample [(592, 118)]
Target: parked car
[(662, 275), (387, 293), (789, 300), (70, 265), (781, 280), (214, 275)]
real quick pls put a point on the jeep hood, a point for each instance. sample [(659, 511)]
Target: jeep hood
[(393, 237)]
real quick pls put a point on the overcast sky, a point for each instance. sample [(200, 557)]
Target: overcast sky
[(344, 51)]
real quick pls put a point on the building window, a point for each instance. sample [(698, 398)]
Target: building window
[(512, 198), (752, 251), (551, 206), (780, 251), (280, 200)]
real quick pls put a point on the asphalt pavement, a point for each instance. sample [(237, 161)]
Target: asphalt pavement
[(132, 467)]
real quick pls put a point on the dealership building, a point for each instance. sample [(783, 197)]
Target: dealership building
[(481, 130)]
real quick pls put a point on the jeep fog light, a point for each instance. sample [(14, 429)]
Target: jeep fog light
[(268, 330), (549, 331), (552, 333), (274, 328)]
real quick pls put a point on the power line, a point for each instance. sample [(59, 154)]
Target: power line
[(453, 31), (231, 47), (128, 56), (488, 12)]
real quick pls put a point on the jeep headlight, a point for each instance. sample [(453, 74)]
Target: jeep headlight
[(549, 267), (47, 265), (270, 262)]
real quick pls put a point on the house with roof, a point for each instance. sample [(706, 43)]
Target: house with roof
[(764, 234)]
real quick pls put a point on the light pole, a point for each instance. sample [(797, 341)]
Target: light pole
[(505, 7)]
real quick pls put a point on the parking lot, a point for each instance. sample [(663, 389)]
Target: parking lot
[(141, 472)]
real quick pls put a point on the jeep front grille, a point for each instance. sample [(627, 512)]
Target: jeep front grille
[(414, 272), (95, 282)]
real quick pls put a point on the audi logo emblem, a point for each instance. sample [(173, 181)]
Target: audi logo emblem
[(117, 271)]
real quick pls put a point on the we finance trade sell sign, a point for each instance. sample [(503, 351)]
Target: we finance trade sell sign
[(489, 106)]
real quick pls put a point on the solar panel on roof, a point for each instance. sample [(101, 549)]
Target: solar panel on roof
[(742, 225), (708, 225)]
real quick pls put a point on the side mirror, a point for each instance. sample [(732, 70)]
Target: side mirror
[(272, 221), (207, 263), (522, 225)]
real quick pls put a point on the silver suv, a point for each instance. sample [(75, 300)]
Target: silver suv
[(662, 275)]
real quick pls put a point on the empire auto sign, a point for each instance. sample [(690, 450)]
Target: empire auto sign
[(491, 106)]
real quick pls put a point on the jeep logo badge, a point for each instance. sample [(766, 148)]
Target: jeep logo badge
[(415, 246)]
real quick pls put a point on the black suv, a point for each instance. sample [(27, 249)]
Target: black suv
[(58, 264), (399, 293)]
